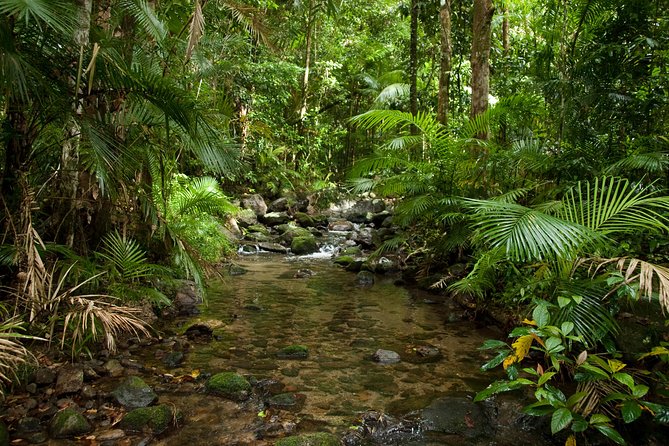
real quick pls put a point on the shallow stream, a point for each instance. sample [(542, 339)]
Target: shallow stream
[(342, 323)]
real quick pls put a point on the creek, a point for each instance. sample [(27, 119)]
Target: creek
[(342, 323)]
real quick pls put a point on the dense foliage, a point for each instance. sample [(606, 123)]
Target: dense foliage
[(526, 140)]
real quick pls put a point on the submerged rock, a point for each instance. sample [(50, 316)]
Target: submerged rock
[(304, 273), (156, 418), (365, 278), (134, 393), (229, 385), (289, 401), (68, 423), (456, 416), (386, 357), (318, 439), (70, 380), (293, 352)]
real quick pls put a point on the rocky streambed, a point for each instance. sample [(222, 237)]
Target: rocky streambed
[(287, 351)]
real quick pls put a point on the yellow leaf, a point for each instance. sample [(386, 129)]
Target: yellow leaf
[(616, 365), (529, 322), (539, 340), (571, 441), (508, 361), (195, 373), (522, 346)]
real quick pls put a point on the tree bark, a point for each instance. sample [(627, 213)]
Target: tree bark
[(445, 62), (481, 41), (311, 19), (413, 60)]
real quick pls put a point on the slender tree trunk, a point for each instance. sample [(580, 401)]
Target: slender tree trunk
[(445, 62), (413, 61), (311, 19), (481, 41)]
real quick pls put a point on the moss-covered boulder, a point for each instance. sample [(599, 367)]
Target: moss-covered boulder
[(68, 423), (304, 220), (229, 385), (260, 229), (304, 245), (4, 434), (319, 439), (293, 352), (291, 232), (155, 418), (134, 393)]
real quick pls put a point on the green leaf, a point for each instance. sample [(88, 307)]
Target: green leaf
[(610, 433), (538, 409), (579, 425), (567, 327), (494, 362), (545, 377), (560, 419), (624, 378), (631, 411), (490, 344), (599, 418), (640, 390), (541, 315), (563, 301), (554, 345), (575, 398), (593, 371)]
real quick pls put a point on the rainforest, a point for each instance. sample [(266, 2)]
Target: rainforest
[(334, 222)]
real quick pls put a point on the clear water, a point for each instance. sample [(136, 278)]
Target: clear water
[(342, 324)]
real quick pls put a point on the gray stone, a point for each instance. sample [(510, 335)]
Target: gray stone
[(279, 205), (256, 203), (341, 226), (275, 218), (44, 376), (365, 278), (386, 357), (68, 423), (70, 379), (134, 393), (273, 247), (110, 435), (364, 237), (114, 368), (173, 360), (456, 416)]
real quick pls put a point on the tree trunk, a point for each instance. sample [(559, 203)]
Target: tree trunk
[(413, 60), (311, 19), (445, 62), (481, 40)]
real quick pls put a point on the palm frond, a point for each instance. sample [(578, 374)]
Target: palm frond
[(648, 162), (527, 234), (56, 14), (250, 18), (129, 260), (196, 29), (392, 93), (611, 205), (146, 18), (481, 278)]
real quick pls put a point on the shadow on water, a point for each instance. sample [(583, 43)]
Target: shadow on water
[(342, 324)]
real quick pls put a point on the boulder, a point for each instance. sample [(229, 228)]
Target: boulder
[(259, 229), (386, 357), (364, 236), (246, 218), (275, 218), (229, 385), (289, 232), (70, 379), (318, 439), (365, 278), (134, 392), (113, 368), (187, 298), (341, 226), (363, 211), (280, 204), (305, 220), (272, 247), (304, 245), (456, 415), (156, 418), (44, 376), (293, 352), (256, 203), (68, 423)]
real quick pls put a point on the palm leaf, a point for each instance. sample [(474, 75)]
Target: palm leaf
[(146, 18)]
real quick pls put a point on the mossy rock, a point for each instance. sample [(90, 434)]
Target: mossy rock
[(134, 393), (293, 352), (156, 418), (293, 232), (319, 439), (304, 245), (4, 434), (344, 260), (68, 423), (229, 385), (352, 251), (304, 219), (260, 229)]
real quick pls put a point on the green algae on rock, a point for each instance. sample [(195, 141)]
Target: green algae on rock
[(293, 352), (156, 418), (229, 385), (134, 393), (318, 439), (68, 423)]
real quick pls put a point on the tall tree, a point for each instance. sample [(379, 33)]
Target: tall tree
[(445, 61), (413, 59), (480, 57)]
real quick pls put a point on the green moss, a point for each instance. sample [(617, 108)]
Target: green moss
[(259, 229), (293, 352), (304, 219), (318, 439), (157, 418), (344, 260), (229, 385), (304, 245), (68, 423)]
